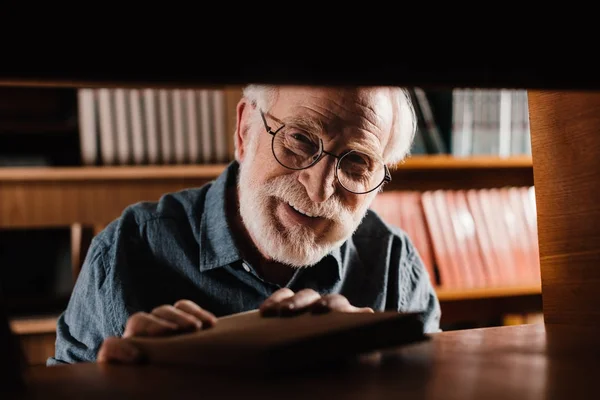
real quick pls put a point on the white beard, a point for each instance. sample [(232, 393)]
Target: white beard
[(299, 246)]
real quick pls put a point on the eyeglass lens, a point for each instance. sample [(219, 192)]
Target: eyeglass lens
[(357, 171)]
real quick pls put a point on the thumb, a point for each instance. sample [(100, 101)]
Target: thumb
[(118, 350)]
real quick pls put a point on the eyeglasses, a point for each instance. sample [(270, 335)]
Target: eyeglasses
[(357, 172)]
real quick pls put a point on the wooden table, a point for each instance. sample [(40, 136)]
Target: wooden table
[(514, 362)]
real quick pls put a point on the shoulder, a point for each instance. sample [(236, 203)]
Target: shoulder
[(390, 248), (143, 232), (379, 240), (177, 210), (374, 232), (410, 283), (149, 233)]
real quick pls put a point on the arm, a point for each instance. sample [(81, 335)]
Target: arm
[(425, 298), (413, 289), (91, 314)]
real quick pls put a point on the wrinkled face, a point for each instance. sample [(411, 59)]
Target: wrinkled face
[(296, 217)]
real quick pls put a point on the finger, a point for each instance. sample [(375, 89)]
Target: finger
[(270, 305), (299, 302), (144, 324), (338, 302), (185, 321), (208, 319), (115, 350)]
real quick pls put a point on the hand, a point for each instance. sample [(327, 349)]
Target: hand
[(285, 302), (182, 317)]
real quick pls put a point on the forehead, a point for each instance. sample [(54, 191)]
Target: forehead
[(343, 113)]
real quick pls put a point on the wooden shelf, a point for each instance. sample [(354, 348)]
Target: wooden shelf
[(94, 196), (444, 162), (110, 173), (454, 173), (34, 325), (61, 196), (209, 171), (487, 293)]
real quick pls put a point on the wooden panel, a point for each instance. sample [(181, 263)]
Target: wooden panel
[(514, 362), (109, 174), (37, 348), (459, 178), (33, 325), (475, 66), (36, 336), (475, 163), (39, 203), (488, 309), (487, 293), (96, 195), (565, 130), (453, 173)]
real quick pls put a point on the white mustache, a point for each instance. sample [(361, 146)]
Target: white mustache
[(288, 189)]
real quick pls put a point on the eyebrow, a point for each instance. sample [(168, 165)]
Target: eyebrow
[(311, 125), (316, 127), (368, 150)]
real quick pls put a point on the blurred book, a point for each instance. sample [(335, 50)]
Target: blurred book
[(250, 340)]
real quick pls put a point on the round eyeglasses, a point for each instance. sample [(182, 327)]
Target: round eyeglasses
[(356, 171)]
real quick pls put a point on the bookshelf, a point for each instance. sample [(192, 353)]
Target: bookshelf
[(97, 195), (87, 197)]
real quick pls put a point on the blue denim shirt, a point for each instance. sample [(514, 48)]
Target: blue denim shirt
[(181, 247)]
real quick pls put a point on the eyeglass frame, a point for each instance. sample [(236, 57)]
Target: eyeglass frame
[(386, 178)]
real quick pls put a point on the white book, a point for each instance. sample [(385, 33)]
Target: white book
[(166, 142), (467, 123), (86, 105), (137, 134), (192, 126), (151, 125), (457, 122), (205, 105), (504, 132), (494, 125), (107, 129), (526, 127), (477, 142), (122, 126), (491, 130), (220, 125), (178, 126), (516, 145), (484, 143)]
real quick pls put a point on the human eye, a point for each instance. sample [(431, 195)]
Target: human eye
[(357, 162), (300, 142), (301, 138)]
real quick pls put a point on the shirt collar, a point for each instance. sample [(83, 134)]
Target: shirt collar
[(217, 245), (336, 254)]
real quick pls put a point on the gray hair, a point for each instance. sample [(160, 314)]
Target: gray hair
[(404, 122)]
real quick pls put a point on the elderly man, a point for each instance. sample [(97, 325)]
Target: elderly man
[(286, 227)]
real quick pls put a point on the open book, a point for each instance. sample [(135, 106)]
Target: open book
[(251, 340)]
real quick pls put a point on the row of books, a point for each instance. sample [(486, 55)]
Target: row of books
[(124, 126), (474, 238), (490, 121)]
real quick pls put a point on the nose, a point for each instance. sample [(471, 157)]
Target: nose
[(319, 180)]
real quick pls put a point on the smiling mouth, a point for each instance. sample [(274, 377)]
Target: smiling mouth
[(302, 212)]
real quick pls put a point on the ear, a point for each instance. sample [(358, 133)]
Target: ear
[(243, 110)]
